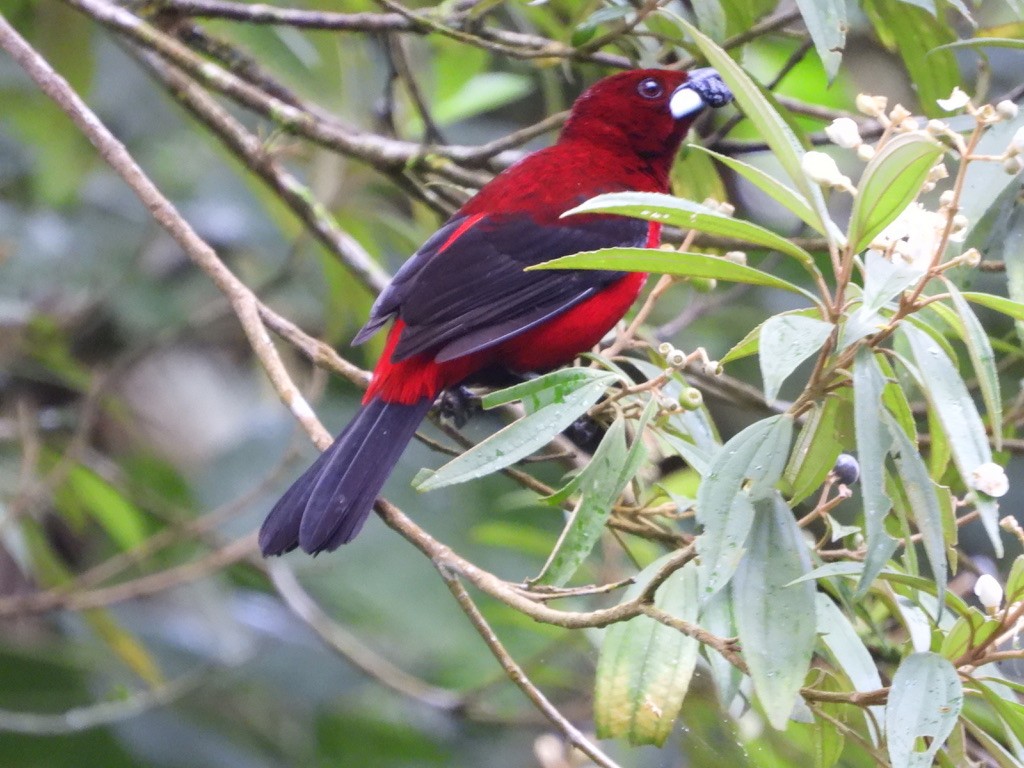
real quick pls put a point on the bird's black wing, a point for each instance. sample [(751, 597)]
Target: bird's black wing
[(465, 289)]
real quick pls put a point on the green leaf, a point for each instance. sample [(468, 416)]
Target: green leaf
[(601, 482), (645, 667), (847, 648), (1014, 309), (826, 23), (915, 36), (520, 438), (873, 443), (817, 447), (1009, 709), (845, 645), (985, 42), (711, 18), (922, 495), (924, 702), (745, 468), (481, 93), (769, 124), (716, 616), (786, 341), (996, 751), (983, 359), (890, 182), (884, 280), (1015, 581), (751, 343), (545, 390), (775, 619), (775, 189), (686, 214), (679, 263), (124, 522), (948, 395)]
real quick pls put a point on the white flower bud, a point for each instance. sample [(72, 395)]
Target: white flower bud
[(736, 257), (957, 100), (664, 348), (990, 479), (873, 106), (909, 125), (1013, 164), (938, 172), (986, 115), (899, 114), (946, 199), (822, 169), (1006, 109), (676, 358), (936, 127), (713, 368), (865, 152), (971, 257), (989, 592), (843, 132), (726, 209), (1017, 142)]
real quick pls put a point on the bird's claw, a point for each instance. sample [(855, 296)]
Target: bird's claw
[(457, 405)]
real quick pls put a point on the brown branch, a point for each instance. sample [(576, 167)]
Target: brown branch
[(150, 584), (516, 674), (254, 154)]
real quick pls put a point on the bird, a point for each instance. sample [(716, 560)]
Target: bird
[(462, 304)]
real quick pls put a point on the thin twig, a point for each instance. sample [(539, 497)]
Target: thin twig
[(518, 676)]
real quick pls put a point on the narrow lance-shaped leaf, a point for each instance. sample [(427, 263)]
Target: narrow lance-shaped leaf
[(679, 263), (848, 650), (924, 702), (601, 483), (769, 123), (947, 394), (751, 343), (786, 341), (645, 667), (921, 493), (519, 439), (775, 618), (781, 193), (983, 360), (817, 447), (685, 214), (884, 280), (873, 441), (716, 616), (826, 23), (891, 180), (544, 390), (745, 468)]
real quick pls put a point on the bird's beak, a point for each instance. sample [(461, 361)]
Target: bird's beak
[(703, 88)]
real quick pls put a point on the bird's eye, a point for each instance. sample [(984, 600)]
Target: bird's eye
[(650, 88)]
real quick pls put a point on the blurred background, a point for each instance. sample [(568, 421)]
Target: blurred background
[(139, 440)]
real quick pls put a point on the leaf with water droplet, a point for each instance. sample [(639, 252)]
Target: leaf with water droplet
[(775, 615), (746, 468)]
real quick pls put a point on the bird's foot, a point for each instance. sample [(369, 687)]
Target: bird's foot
[(457, 405)]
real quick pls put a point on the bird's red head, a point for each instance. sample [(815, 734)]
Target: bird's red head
[(648, 111)]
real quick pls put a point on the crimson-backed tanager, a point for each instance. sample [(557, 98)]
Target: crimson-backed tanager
[(463, 304)]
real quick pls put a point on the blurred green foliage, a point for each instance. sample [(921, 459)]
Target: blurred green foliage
[(131, 406)]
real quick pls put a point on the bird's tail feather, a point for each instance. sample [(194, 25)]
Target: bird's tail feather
[(329, 503)]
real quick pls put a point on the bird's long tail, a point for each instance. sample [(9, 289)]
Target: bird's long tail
[(329, 503)]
